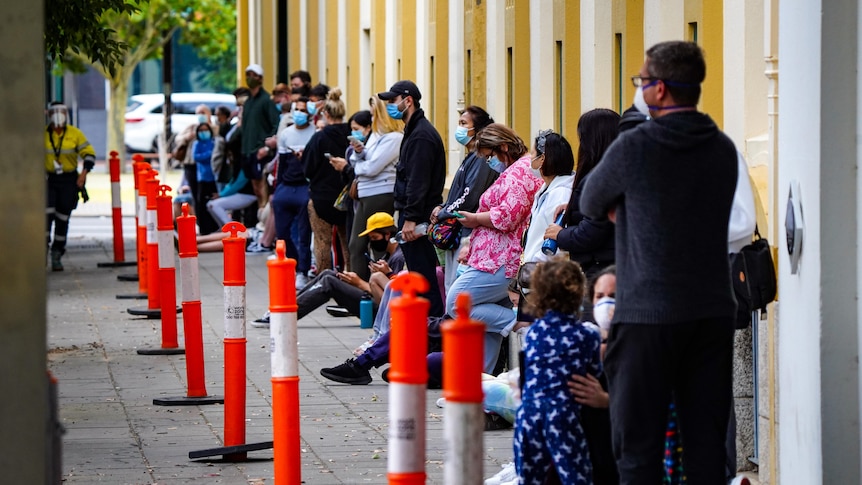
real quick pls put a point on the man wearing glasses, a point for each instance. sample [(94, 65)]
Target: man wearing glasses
[(668, 185)]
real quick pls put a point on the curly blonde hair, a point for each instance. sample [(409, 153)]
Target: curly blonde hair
[(334, 106), (381, 122), (558, 284)]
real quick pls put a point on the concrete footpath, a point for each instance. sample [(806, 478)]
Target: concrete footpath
[(114, 433)]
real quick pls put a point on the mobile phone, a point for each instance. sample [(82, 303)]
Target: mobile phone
[(369, 258), (354, 140), (338, 269), (327, 155), (457, 214)]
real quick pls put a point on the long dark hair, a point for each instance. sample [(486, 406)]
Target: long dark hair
[(597, 129)]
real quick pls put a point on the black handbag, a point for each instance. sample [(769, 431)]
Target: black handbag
[(754, 283)]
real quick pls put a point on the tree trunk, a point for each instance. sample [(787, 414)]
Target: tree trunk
[(116, 115)]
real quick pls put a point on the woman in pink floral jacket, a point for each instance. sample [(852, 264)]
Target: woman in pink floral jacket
[(495, 244)]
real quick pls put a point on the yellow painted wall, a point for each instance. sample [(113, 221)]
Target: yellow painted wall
[(710, 39), (633, 48), (478, 54), (312, 45), (294, 43), (268, 44), (407, 17), (242, 33), (521, 63), (333, 37), (378, 46), (355, 99), (571, 98)]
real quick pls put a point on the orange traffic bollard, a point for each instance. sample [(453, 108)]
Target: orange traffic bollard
[(285, 367), (192, 320), (116, 216), (167, 278), (153, 309), (235, 448), (141, 172), (408, 378), (463, 417)]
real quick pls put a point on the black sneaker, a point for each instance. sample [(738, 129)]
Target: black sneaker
[(348, 373), (337, 311), (385, 375), (432, 382), (495, 421)]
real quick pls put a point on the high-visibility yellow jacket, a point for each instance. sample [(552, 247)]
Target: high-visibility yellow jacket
[(71, 144)]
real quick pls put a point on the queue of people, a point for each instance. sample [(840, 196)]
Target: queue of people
[(610, 265)]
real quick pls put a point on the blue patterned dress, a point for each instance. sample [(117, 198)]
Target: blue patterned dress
[(547, 427)]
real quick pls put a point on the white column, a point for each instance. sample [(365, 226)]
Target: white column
[(456, 78), (254, 32), (391, 42), (495, 58), (322, 47), (541, 67), (596, 48), (744, 83), (664, 20), (364, 67)]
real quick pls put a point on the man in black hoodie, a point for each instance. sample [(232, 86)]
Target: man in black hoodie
[(419, 178), (668, 184)]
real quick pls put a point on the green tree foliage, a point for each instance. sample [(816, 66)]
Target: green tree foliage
[(73, 25), (207, 25)]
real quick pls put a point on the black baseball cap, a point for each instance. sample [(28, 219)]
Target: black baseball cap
[(401, 88)]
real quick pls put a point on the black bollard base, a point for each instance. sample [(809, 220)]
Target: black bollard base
[(162, 351), (127, 277), (134, 296), (188, 401), (148, 312), (116, 264), (231, 453)]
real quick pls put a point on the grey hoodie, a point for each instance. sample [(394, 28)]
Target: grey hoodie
[(672, 182)]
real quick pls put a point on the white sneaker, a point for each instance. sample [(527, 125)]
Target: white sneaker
[(740, 480), (441, 402), (301, 281), (504, 476)]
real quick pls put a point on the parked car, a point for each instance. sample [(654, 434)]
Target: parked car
[(145, 119)]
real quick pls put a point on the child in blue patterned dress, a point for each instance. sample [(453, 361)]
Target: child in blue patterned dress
[(548, 432)]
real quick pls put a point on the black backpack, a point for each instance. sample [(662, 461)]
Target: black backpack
[(754, 284)]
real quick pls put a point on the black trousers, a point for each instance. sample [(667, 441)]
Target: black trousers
[(324, 287), (645, 365), (62, 193), (420, 257)]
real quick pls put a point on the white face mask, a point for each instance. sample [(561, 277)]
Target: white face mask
[(58, 118), (640, 102), (603, 312)]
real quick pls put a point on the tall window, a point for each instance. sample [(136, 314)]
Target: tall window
[(433, 74), (510, 88), (560, 92), (692, 32), (619, 75), (468, 83)]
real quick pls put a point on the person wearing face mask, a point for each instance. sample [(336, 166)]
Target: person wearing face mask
[(290, 200), (347, 288), (207, 151), (553, 162), (259, 122), (666, 183), (373, 159), (318, 96), (495, 244), (471, 180), (64, 144), (360, 130), (419, 178)]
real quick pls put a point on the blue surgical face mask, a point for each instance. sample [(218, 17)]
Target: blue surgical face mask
[(278, 107), (202, 118), (462, 268), (204, 135), (496, 164), (394, 112), (300, 118), (358, 135), (312, 108), (461, 135)]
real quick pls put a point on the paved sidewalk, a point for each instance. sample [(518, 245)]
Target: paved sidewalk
[(114, 433)]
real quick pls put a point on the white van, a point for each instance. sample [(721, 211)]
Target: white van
[(145, 119)]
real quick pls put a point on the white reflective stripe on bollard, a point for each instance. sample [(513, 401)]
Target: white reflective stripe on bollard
[(406, 428), (151, 227), (189, 279), (141, 209), (463, 429), (283, 344), (166, 249), (115, 195), (234, 312)]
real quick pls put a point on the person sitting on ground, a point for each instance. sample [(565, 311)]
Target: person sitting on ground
[(346, 288)]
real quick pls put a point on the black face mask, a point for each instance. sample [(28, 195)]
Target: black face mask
[(379, 245)]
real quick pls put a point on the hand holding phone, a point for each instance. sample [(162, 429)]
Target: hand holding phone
[(327, 155), (448, 215)]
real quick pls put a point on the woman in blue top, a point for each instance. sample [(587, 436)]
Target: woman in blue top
[(204, 149)]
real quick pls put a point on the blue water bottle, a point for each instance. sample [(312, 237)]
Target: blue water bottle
[(549, 247), (366, 312)]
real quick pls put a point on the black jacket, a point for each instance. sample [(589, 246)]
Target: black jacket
[(421, 170), (324, 182), (589, 241)]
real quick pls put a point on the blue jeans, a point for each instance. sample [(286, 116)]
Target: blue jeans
[(289, 206), (487, 293)]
